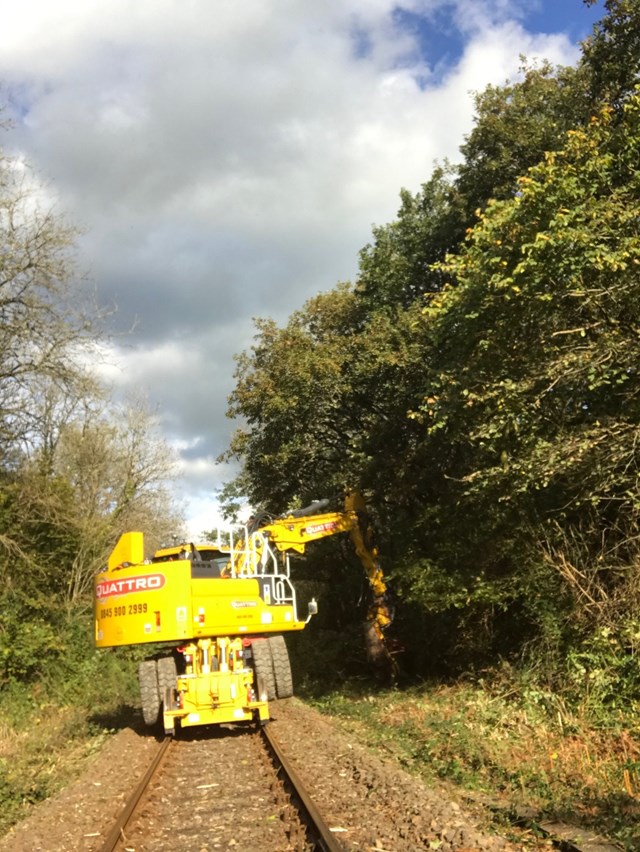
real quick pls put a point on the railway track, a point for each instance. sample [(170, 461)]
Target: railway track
[(221, 789)]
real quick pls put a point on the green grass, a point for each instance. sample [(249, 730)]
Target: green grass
[(525, 749), (50, 728)]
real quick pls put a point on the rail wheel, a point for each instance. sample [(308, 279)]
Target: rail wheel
[(281, 666), (167, 674), (149, 691), (261, 689), (263, 665)]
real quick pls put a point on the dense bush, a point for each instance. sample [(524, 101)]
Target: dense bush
[(479, 383)]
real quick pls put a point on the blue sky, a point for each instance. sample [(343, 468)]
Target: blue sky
[(227, 161), (442, 42), (569, 16)]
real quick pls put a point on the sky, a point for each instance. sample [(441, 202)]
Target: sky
[(228, 160)]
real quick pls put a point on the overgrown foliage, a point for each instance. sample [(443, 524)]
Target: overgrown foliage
[(50, 729), (523, 753), (479, 382), (76, 470)]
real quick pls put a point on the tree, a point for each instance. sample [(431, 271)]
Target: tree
[(75, 469), (487, 403), (611, 56), (120, 473), (47, 324), (323, 402), (290, 393), (532, 376), (107, 474), (515, 125), (399, 266)]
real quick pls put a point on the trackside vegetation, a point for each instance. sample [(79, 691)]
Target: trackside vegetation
[(522, 755), (478, 381), (76, 470)]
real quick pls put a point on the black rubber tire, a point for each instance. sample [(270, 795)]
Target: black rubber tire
[(263, 666), (281, 666), (149, 692), (167, 674)]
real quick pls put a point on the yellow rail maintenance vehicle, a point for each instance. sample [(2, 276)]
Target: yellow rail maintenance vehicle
[(221, 609)]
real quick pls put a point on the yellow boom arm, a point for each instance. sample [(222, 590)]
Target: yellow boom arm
[(296, 530)]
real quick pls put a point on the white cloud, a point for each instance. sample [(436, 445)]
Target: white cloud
[(228, 160)]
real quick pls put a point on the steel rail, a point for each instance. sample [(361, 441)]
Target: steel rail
[(323, 837), (116, 835), (318, 831)]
